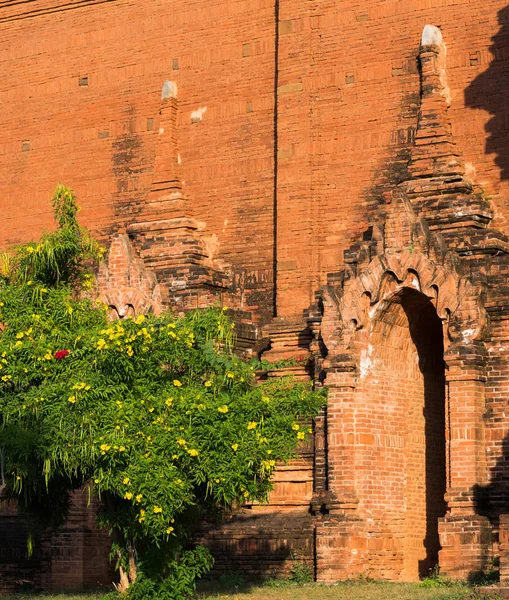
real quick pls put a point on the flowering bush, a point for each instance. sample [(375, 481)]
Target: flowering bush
[(156, 412)]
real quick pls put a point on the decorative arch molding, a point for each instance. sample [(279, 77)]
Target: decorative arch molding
[(358, 330), (126, 286), (359, 302), (128, 302)]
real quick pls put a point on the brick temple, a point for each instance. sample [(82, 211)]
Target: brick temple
[(337, 175)]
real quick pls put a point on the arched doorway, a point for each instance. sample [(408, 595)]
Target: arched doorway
[(400, 413)]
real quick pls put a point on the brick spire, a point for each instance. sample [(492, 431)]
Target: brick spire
[(167, 235), (166, 198), (439, 188)]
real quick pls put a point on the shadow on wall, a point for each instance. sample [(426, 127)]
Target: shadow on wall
[(492, 500), (489, 91), (426, 333), (260, 546)]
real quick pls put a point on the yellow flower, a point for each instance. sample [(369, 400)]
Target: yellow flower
[(301, 435), (208, 383), (19, 335), (72, 399), (235, 447), (130, 351), (246, 494), (193, 452), (252, 424), (101, 344), (151, 409), (157, 509), (169, 530), (139, 497), (295, 427), (181, 442), (269, 451), (230, 375), (18, 344), (6, 378), (121, 449), (126, 481), (177, 383), (142, 513), (223, 409), (105, 447), (201, 407), (128, 495), (139, 319)]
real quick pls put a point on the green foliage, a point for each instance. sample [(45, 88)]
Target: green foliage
[(232, 580), (156, 412), (301, 573), (64, 256), (489, 576), (435, 580), (178, 582)]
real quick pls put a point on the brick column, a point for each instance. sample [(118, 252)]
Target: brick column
[(338, 543), (465, 536), (504, 549), (341, 381)]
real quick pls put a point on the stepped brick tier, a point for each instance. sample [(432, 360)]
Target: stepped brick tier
[(337, 175)]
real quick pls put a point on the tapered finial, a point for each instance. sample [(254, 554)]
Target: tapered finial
[(431, 36), (169, 90)]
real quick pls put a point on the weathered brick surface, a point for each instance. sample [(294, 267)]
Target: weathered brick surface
[(74, 556), (318, 166), (80, 105)]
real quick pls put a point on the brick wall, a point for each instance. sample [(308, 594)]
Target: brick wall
[(316, 161), (400, 436), (80, 105)]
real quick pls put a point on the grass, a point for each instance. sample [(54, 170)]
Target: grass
[(352, 590)]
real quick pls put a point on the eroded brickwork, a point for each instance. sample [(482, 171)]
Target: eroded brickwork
[(339, 182)]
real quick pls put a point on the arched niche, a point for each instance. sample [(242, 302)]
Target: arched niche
[(400, 401), (404, 367)]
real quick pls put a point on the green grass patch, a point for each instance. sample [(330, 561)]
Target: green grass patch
[(284, 590)]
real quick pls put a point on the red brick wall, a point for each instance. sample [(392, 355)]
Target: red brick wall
[(400, 438), (346, 111), (294, 119)]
